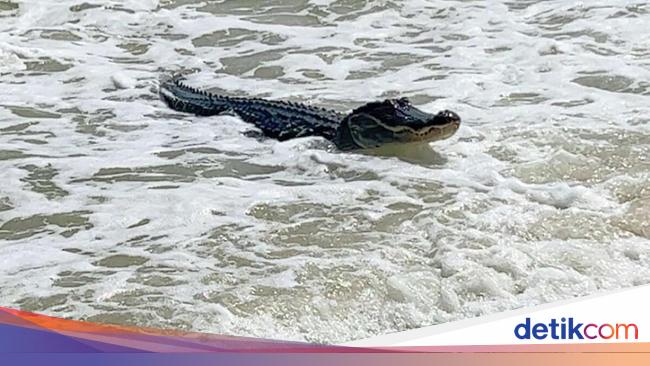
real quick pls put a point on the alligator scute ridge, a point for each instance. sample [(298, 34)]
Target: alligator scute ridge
[(392, 121)]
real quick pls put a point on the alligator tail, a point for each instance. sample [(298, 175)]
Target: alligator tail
[(183, 98)]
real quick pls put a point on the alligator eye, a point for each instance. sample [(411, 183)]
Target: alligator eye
[(392, 102), (404, 101)]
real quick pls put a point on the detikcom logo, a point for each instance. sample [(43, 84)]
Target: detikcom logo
[(568, 328)]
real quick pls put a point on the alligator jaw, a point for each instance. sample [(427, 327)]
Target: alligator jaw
[(393, 121)]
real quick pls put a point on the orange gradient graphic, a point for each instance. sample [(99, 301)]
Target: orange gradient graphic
[(143, 346)]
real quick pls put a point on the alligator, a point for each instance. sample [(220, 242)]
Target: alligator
[(392, 121)]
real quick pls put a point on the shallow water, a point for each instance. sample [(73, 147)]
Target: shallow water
[(114, 208)]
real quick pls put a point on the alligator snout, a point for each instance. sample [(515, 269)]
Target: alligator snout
[(449, 115), (445, 117)]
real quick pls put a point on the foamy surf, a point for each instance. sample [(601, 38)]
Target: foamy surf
[(114, 208)]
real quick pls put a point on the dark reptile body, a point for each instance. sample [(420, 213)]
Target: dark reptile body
[(277, 119)]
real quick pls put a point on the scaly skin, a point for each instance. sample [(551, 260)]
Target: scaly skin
[(372, 125)]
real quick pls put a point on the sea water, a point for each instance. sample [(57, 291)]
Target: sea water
[(114, 208)]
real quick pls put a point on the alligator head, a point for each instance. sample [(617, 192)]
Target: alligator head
[(396, 121)]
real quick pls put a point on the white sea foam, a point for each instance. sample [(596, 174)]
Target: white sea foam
[(114, 208)]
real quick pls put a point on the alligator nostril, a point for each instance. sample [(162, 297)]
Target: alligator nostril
[(450, 115)]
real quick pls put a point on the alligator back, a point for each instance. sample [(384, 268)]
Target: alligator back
[(277, 119)]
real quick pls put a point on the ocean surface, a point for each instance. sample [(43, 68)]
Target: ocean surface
[(114, 208)]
